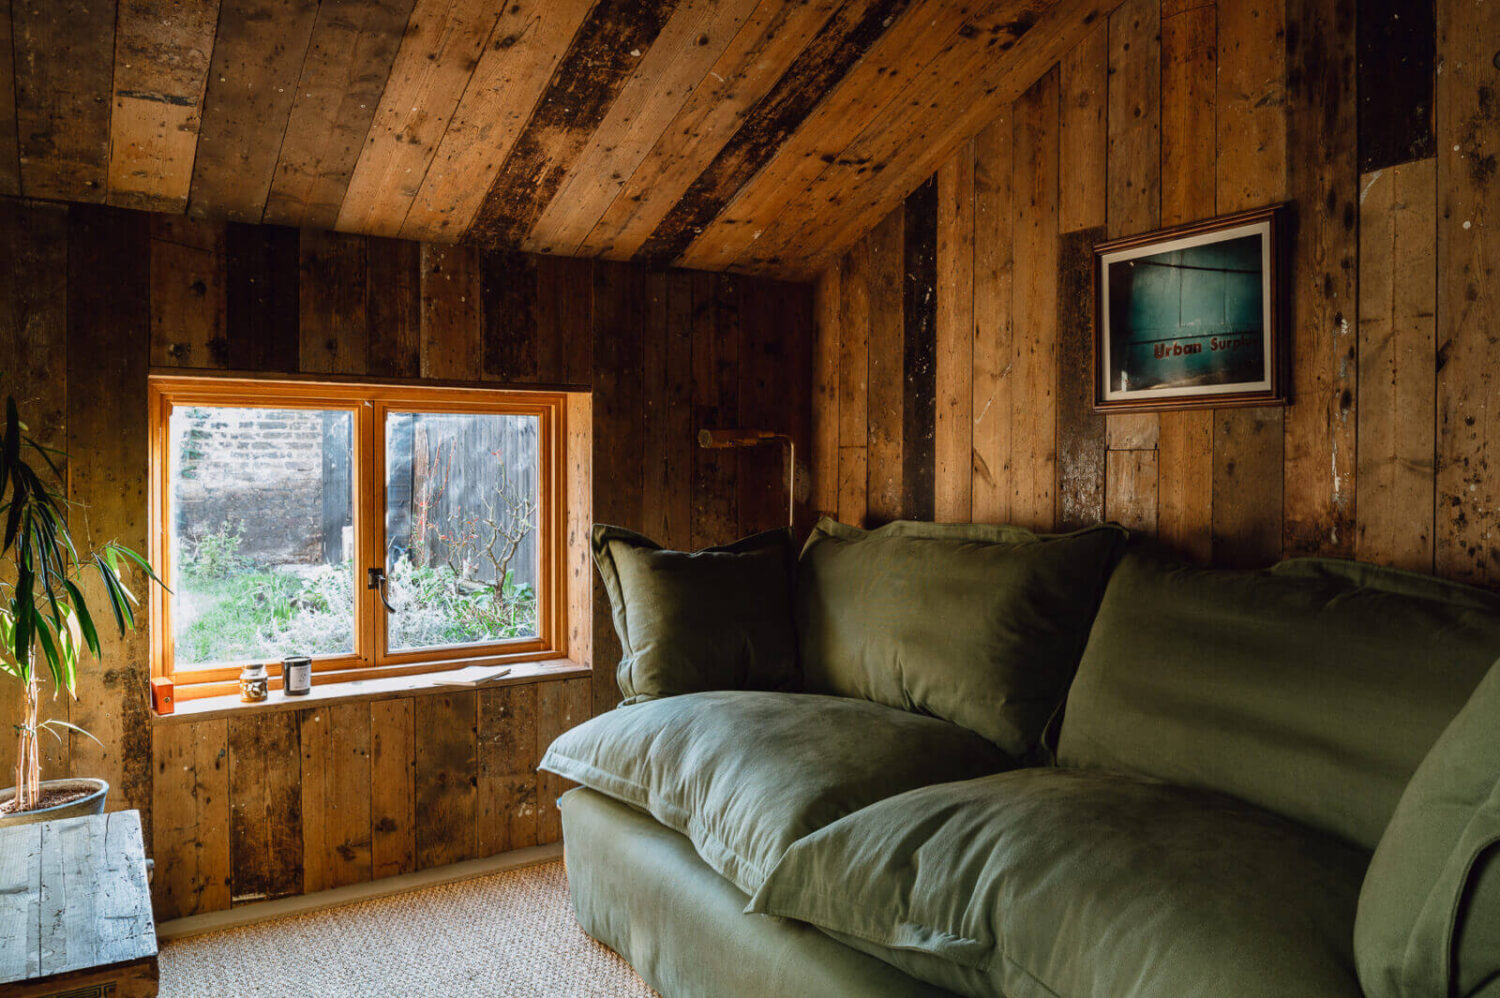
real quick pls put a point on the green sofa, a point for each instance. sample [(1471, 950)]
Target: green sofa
[(1028, 765)]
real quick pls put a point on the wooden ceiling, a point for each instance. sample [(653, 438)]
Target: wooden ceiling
[(762, 136)]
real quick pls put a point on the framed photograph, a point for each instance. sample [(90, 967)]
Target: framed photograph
[(1191, 317)]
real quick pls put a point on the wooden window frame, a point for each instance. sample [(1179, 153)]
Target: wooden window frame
[(368, 402)]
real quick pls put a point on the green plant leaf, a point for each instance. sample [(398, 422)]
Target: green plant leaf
[(85, 617), (58, 722)]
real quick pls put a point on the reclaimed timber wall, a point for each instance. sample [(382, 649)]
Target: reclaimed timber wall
[(1382, 131), (269, 803)]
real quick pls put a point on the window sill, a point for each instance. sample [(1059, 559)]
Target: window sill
[(386, 688)]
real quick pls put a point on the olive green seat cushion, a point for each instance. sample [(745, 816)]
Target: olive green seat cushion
[(640, 889), (1313, 690), (1055, 883), (715, 619), (744, 774), (978, 624), (1429, 911)]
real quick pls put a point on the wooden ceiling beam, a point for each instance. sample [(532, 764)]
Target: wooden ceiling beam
[(348, 62), (745, 72), (161, 58), (529, 41), (607, 51), (252, 81), (689, 45), (924, 33), (930, 121), (64, 69), (436, 59), (838, 47)]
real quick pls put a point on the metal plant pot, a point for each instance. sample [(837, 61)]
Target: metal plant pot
[(93, 803)]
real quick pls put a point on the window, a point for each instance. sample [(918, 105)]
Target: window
[(379, 529)]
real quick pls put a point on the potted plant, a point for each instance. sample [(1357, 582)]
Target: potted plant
[(45, 618)]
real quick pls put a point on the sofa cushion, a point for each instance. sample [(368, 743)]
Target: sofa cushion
[(1077, 884), (978, 624), (716, 619), (1314, 689), (745, 774), (1429, 911)]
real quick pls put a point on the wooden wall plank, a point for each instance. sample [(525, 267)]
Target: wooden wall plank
[(446, 778), (63, 61), (393, 841), (1134, 184), (748, 69), (334, 333), (109, 329), (1251, 170), (824, 462), (349, 56), (993, 329), (1319, 459), (393, 307), (508, 294), (1397, 365), (886, 395), (1033, 472), (1083, 141), (312, 737), (263, 299), (1081, 441), (617, 37), (760, 485), (161, 60), (560, 705), (919, 348), (191, 818), (267, 798), (10, 151), (252, 80), (1189, 43), (188, 293), (511, 73), (508, 757), (667, 498), (1468, 387), (716, 344), (434, 63), (619, 438), (954, 375), (451, 330), (1131, 480), (1396, 80)]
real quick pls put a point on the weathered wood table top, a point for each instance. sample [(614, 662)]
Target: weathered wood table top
[(74, 898)]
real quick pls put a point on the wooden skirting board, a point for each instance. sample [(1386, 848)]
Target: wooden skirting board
[(213, 921)]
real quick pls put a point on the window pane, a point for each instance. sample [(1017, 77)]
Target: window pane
[(262, 534), (462, 515)]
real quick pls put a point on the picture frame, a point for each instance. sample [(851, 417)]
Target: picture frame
[(1192, 316)]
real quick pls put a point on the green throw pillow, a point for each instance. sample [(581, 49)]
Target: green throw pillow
[(744, 774), (1058, 883), (1429, 911), (978, 624), (716, 619)]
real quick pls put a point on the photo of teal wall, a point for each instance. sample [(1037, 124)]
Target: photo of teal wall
[(1188, 318)]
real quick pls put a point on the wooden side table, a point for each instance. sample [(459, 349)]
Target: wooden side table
[(75, 910)]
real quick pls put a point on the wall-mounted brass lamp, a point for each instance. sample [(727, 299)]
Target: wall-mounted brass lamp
[(720, 439)]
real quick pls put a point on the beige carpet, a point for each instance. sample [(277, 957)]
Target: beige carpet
[(510, 935)]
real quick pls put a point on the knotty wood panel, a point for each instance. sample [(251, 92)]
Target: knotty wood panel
[(1386, 450), (280, 802)]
